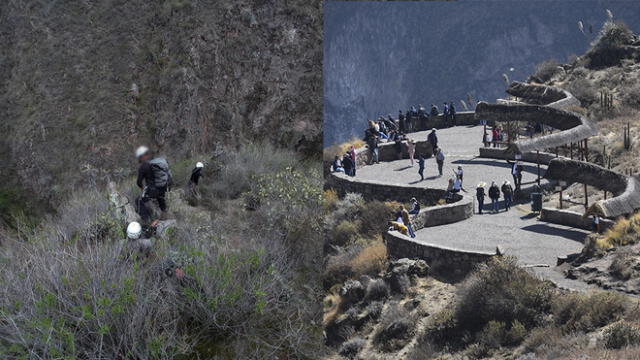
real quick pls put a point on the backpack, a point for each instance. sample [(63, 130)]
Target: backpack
[(161, 172)]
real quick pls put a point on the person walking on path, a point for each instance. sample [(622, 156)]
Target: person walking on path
[(411, 149), (516, 173), (352, 155), (485, 139), (407, 220), (507, 193), (439, 159), (432, 138), (596, 223), (480, 196), (415, 207), (494, 195), (421, 166)]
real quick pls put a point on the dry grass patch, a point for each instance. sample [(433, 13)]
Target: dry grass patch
[(371, 260)]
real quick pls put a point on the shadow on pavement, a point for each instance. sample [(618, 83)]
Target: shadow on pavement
[(403, 168), (574, 235)]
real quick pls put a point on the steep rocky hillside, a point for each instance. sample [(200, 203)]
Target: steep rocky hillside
[(82, 83)]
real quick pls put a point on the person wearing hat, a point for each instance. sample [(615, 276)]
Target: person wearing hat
[(135, 243), (507, 193), (480, 196), (415, 207), (411, 149), (196, 174)]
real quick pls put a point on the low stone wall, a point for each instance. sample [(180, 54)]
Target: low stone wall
[(462, 118), (438, 257), (571, 218), (387, 152), (498, 153), (443, 214), (377, 190)]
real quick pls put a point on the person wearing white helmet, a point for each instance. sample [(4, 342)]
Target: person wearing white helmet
[(196, 174), (154, 178), (135, 242)]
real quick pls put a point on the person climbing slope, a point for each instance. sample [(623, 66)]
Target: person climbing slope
[(196, 173), (154, 178)]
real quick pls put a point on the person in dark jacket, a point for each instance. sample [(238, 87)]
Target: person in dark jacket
[(398, 146), (452, 113), (494, 195), (146, 181), (347, 164), (445, 113), (196, 174), (507, 193), (432, 138), (480, 196), (421, 166), (372, 142), (401, 121)]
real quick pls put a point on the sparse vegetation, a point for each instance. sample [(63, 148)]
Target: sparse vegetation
[(547, 69), (69, 290)]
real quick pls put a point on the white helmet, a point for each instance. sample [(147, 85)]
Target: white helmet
[(199, 164), (134, 230), (142, 150)]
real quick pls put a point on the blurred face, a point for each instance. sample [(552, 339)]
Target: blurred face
[(144, 158)]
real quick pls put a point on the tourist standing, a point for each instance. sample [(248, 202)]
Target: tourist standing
[(494, 195), (347, 164), (401, 122), (434, 110), (495, 136), (452, 113), (439, 160), (480, 196), (507, 193), (445, 113), (372, 142), (398, 146), (596, 223), (352, 154), (421, 166), (432, 139), (411, 149)]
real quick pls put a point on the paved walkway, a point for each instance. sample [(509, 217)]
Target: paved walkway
[(460, 145), (517, 232)]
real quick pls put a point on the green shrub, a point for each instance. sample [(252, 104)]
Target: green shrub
[(374, 217), (609, 47), (346, 232), (621, 335), (577, 312), (505, 292)]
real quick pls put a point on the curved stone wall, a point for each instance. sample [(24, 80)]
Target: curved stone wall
[(438, 257)]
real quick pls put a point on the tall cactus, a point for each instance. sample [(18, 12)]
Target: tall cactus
[(606, 100)]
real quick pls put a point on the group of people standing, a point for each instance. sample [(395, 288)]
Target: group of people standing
[(494, 195)]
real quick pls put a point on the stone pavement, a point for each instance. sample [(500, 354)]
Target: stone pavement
[(460, 145), (517, 232)]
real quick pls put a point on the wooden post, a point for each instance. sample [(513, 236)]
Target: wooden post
[(560, 198), (586, 198), (586, 150), (571, 150), (538, 162)]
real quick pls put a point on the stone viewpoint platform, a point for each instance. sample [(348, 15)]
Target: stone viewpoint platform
[(471, 239)]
